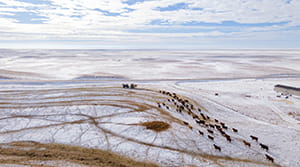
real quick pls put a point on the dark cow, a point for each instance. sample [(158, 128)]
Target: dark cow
[(203, 116), (269, 158), (234, 130), (210, 137), (228, 138), (264, 146), (246, 143), (218, 127), (222, 132), (125, 85), (200, 121), (216, 120), (185, 123), (210, 131), (217, 147), (254, 138), (212, 126), (200, 132), (224, 127)]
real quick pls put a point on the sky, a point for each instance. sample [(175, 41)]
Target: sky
[(150, 24)]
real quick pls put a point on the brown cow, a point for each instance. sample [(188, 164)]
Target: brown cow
[(217, 147), (246, 143), (185, 123), (254, 138), (210, 137), (269, 158)]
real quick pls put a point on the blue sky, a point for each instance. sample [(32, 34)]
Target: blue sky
[(157, 24)]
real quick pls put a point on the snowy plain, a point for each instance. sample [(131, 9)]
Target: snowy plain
[(75, 97)]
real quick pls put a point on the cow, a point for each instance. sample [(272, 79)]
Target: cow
[(269, 158), (200, 132), (125, 85), (264, 146), (210, 137), (246, 143), (234, 130), (216, 120), (210, 131), (254, 138), (217, 147), (133, 86), (200, 121), (203, 116), (218, 127), (222, 132), (228, 138), (224, 127), (185, 123), (212, 126)]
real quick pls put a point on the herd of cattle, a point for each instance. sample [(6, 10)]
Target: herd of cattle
[(211, 125)]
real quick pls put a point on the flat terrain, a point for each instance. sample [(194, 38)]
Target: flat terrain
[(190, 108)]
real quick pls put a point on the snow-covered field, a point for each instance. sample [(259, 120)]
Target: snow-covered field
[(75, 97)]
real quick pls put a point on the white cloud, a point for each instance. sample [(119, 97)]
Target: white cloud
[(110, 19)]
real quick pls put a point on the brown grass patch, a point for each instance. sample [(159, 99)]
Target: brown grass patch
[(23, 153), (157, 126)]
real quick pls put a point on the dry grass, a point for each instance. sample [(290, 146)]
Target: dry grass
[(23, 153), (157, 126)]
